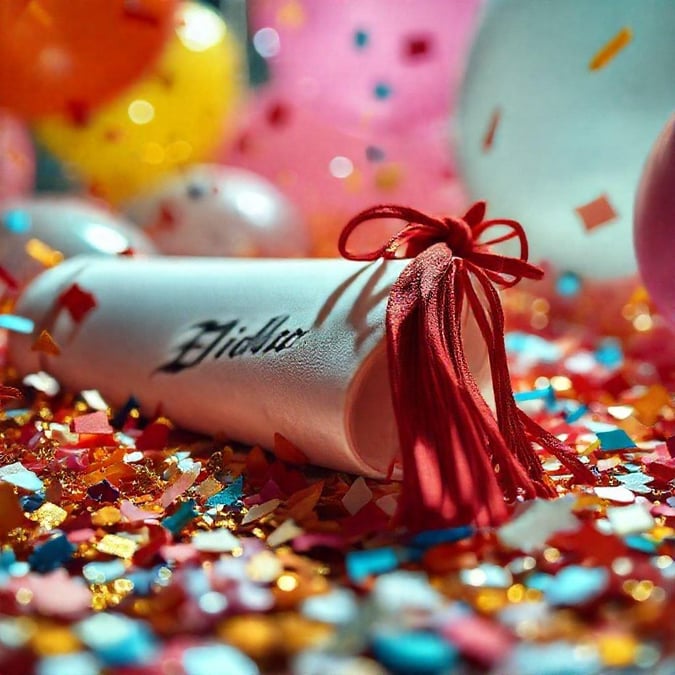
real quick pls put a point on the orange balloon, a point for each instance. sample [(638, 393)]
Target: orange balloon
[(68, 56)]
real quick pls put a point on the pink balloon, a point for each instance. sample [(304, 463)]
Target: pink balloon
[(17, 158), (331, 174), (367, 64), (655, 223)]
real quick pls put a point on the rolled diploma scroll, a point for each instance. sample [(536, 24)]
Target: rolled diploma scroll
[(243, 348)]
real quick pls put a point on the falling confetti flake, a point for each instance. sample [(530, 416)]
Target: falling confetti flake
[(609, 51), (596, 213)]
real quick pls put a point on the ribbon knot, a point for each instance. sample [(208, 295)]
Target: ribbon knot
[(463, 236), (461, 459)]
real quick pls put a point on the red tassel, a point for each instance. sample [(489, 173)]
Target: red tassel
[(461, 463)]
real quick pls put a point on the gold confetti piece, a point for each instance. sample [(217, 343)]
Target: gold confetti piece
[(291, 15), (43, 253), (52, 640), (49, 515), (45, 344), (208, 487), (113, 544), (389, 177), (108, 515), (610, 50)]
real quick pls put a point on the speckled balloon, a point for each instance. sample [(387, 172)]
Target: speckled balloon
[(38, 232), (212, 210)]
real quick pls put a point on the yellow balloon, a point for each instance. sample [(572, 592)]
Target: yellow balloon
[(177, 114)]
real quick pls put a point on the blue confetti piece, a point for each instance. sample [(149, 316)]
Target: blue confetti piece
[(17, 474), (360, 39), (16, 221), (639, 543), (117, 640), (228, 496), (52, 554), (121, 415), (144, 580), (374, 154), (447, 536), (617, 439), (609, 353), (361, 564), (103, 572), (181, 517), (576, 414), (540, 581), (568, 284), (31, 503), (575, 585), (201, 660), (17, 324), (546, 394), (79, 663), (414, 653), (533, 347), (382, 91)]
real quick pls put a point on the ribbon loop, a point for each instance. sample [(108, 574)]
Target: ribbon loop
[(461, 235)]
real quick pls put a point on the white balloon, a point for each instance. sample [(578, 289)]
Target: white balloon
[(68, 226), (212, 210), (566, 134)]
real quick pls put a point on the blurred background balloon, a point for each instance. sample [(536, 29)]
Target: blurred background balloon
[(363, 64), (69, 56), (655, 223), (176, 115), (17, 157), (39, 232), (330, 174), (560, 104), (211, 210)]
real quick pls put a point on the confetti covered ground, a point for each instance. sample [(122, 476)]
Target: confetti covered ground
[(131, 547)]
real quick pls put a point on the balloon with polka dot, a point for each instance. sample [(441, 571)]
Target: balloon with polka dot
[(363, 68)]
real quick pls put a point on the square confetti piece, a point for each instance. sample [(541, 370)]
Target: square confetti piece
[(617, 439), (596, 213)]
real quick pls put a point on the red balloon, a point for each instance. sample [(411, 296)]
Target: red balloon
[(67, 56)]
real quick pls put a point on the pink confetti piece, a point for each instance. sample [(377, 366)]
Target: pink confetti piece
[(133, 513), (93, 423), (358, 495), (180, 485), (55, 594)]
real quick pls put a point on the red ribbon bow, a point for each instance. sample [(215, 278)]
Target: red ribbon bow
[(460, 461)]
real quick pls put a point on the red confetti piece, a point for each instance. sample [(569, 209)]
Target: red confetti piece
[(489, 138), (9, 280), (418, 46), (45, 344), (77, 301), (9, 392), (596, 213), (286, 451), (154, 437), (134, 10), (278, 115)]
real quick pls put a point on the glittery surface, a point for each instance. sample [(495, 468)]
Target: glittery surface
[(129, 546)]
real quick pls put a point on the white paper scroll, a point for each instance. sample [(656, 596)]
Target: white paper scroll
[(242, 348)]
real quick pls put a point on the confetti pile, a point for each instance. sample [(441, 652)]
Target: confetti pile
[(130, 547)]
